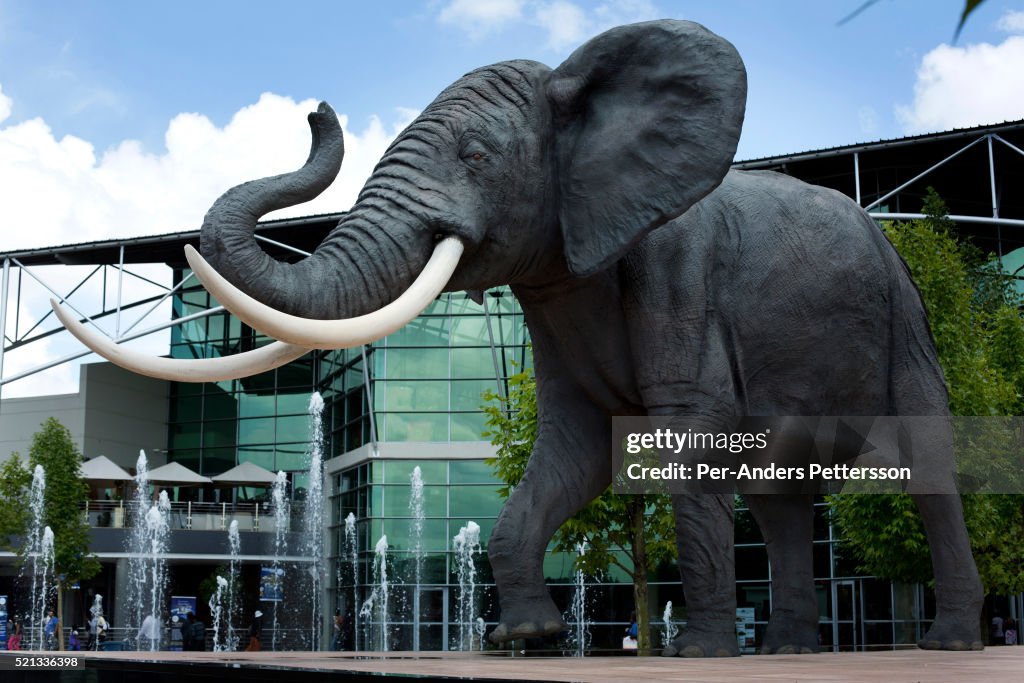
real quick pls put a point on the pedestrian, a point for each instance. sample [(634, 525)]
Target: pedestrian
[(998, 637), (14, 640), (73, 643), (1009, 631), (197, 629), (50, 630), (186, 631), (149, 631), (629, 640), (339, 628), (255, 631)]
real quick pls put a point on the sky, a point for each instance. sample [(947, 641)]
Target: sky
[(120, 119)]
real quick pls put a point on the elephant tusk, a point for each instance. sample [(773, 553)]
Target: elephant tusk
[(180, 369), (333, 334)]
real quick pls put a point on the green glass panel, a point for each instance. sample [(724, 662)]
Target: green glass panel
[(298, 373), (186, 408), (291, 457), (559, 567), (467, 394), (403, 396), (185, 435), (400, 471), (218, 405), (375, 472), (293, 428), (215, 328), (258, 455), (186, 388), (472, 363), (475, 501), (219, 433), (471, 472), (255, 405), (189, 457), (396, 501), (256, 430), (468, 426), (217, 460), (469, 331), (423, 331), (417, 364), (416, 427), (293, 403)]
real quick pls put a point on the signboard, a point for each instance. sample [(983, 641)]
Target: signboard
[(745, 629), (271, 584), (182, 605), (3, 622)]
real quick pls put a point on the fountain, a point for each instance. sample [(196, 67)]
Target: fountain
[(137, 546), (96, 611), (670, 630), (234, 547), (378, 600), (157, 532), (352, 553), (580, 637), (416, 535), (34, 550), (466, 544), (314, 514), (216, 604), (282, 522), (47, 582)]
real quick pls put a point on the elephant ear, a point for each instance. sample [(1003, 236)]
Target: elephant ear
[(647, 117)]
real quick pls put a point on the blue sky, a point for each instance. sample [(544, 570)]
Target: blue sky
[(121, 119)]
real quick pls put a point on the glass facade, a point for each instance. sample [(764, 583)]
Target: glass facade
[(422, 387)]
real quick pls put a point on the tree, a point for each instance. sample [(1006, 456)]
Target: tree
[(66, 492), (979, 336), (632, 532), (14, 484)]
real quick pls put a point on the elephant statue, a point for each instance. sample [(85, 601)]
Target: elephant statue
[(653, 279)]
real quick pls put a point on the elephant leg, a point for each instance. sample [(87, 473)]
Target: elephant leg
[(569, 467), (704, 534), (958, 591), (787, 524)]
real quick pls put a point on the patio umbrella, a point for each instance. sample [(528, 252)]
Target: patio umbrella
[(101, 470), (176, 474), (246, 474)]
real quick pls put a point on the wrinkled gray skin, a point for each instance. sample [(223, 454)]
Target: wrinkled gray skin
[(579, 186)]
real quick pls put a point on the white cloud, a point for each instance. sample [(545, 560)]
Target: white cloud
[(60, 191), (867, 117), (5, 105), (1011, 22), (566, 24), (481, 16), (966, 86)]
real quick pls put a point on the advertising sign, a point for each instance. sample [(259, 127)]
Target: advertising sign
[(182, 605), (271, 584), (3, 622)]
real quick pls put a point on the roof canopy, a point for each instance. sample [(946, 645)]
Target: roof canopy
[(177, 474), (246, 474), (102, 468)]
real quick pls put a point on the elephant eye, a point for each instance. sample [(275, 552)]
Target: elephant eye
[(477, 156)]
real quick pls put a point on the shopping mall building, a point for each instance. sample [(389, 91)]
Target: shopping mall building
[(414, 399)]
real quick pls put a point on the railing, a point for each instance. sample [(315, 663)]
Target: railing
[(256, 516)]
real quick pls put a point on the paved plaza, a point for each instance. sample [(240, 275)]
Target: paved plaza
[(994, 665)]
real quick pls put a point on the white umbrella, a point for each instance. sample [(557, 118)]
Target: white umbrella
[(246, 474), (103, 469), (178, 475)]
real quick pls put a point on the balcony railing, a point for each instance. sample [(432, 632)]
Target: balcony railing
[(188, 515)]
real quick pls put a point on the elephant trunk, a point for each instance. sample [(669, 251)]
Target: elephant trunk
[(364, 263)]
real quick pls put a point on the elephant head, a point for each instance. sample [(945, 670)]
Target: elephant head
[(532, 174)]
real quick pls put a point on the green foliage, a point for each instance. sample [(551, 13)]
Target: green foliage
[(979, 336), (66, 492), (15, 481), (632, 532)]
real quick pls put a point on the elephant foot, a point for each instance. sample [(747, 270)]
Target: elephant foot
[(788, 635), (528, 619), (947, 633), (697, 644)]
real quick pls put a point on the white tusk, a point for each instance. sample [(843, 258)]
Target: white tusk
[(333, 334), (181, 369)]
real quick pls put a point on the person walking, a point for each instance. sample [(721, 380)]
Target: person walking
[(50, 630), (255, 631), (14, 640), (73, 642), (149, 633), (197, 630)]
